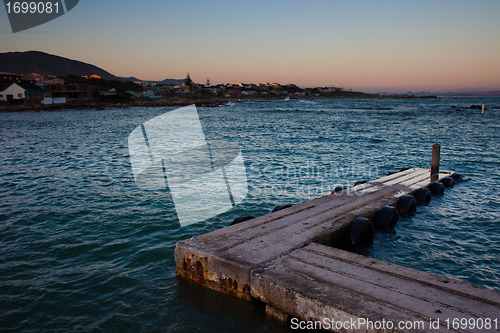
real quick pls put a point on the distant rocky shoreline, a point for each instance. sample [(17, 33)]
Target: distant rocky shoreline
[(92, 104), (208, 102)]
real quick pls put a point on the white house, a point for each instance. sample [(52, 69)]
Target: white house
[(21, 90)]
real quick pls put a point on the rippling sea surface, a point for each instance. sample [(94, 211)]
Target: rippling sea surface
[(82, 248)]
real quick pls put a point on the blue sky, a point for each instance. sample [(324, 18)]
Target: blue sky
[(364, 45)]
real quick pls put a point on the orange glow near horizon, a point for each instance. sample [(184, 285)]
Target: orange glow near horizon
[(382, 46)]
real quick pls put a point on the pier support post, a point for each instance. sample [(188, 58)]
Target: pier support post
[(436, 150), (482, 108)]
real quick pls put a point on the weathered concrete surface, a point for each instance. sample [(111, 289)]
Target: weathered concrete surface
[(261, 258), (317, 282), (223, 259)]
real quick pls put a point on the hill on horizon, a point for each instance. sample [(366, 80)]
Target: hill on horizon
[(49, 64), (166, 81)]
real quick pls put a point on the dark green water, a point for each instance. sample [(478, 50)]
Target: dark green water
[(82, 248)]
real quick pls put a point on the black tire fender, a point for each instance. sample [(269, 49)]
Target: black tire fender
[(339, 189), (280, 207), (436, 188), (361, 232), (457, 177), (407, 205), (447, 182), (240, 219), (386, 218), (422, 196)]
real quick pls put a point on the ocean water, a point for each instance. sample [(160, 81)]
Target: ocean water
[(82, 248)]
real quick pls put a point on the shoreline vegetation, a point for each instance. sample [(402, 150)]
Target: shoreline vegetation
[(105, 103)]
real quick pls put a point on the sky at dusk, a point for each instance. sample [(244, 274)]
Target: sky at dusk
[(364, 45)]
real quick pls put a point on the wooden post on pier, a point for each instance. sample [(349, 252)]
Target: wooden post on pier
[(482, 108), (436, 149)]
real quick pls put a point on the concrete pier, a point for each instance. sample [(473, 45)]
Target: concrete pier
[(290, 259)]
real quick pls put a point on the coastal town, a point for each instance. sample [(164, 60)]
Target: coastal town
[(40, 90)]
